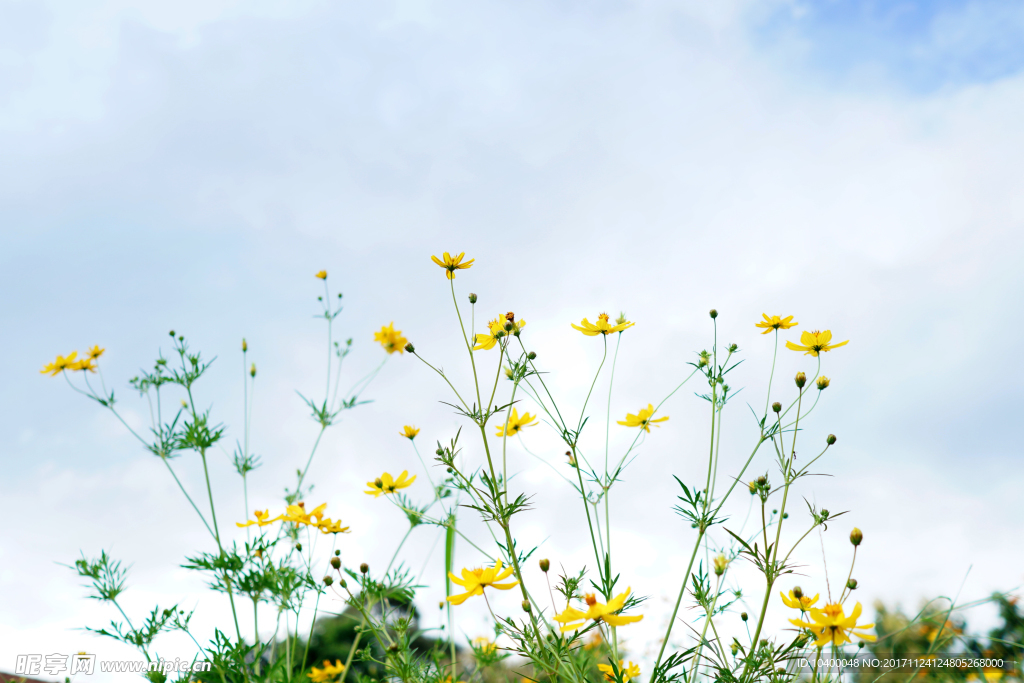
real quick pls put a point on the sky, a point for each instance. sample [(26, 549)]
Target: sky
[(191, 165)]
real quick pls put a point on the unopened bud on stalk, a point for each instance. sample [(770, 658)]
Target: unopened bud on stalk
[(852, 584), (801, 380), (762, 480), (245, 347), (393, 648), (720, 564), (531, 355), (472, 298), (823, 383), (328, 580), (509, 326), (831, 439), (526, 606), (545, 565), (439, 451), (713, 313), (171, 333), (336, 562), (298, 546), (735, 647), (776, 407), (824, 514), (337, 553), (753, 487), (341, 582), (733, 348), (856, 536), (364, 567), (252, 370), (410, 348), (378, 483), (743, 616), (798, 592)]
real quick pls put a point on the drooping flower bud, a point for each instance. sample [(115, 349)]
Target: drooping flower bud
[(856, 536), (801, 380), (410, 348), (545, 565)]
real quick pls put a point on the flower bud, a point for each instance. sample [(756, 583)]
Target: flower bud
[(545, 565), (776, 407), (439, 451), (472, 298), (245, 347), (337, 553), (509, 326), (720, 564), (364, 567), (753, 487), (328, 580), (526, 606), (823, 382), (531, 355), (621, 320), (762, 480), (852, 584), (743, 616), (252, 370), (336, 562), (801, 380), (298, 546), (824, 513), (733, 348), (856, 536), (341, 582), (831, 439), (171, 333), (713, 313), (735, 647), (378, 482), (410, 348), (798, 592)]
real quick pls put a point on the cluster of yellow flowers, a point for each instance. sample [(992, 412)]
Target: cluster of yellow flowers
[(829, 624), (73, 362), (390, 338), (330, 671), (297, 514)]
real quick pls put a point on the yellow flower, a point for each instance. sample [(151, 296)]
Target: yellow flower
[(720, 563), (409, 432), (327, 526), (595, 640), (58, 366), (83, 364), (390, 338), (95, 351), (516, 423), (485, 645), (262, 519), (803, 603), (452, 264), (573, 619), (297, 514), (475, 580), (815, 342), (831, 625), (602, 326), (495, 331), (628, 672), (823, 383), (322, 274), (328, 673), (775, 323), (642, 419), (388, 484)]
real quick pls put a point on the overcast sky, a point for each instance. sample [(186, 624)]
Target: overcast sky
[(190, 165)]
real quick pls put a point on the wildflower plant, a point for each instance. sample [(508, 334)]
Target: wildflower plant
[(289, 563)]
